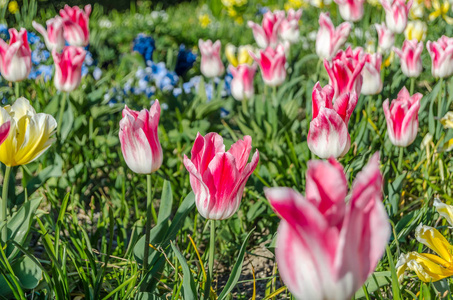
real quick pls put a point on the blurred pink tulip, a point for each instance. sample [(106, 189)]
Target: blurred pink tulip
[(272, 65), (75, 21), (217, 177), (289, 27), (350, 10), (15, 58), (441, 53), (330, 39), (211, 63), (402, 118), (53, 35), (345, 71), (242, 82), (68, 68), (267, 34), (396, 12), (139, 139), (410, 58), (386, 37), (328, 134), (326, 246), (371, 73), (4, 131)]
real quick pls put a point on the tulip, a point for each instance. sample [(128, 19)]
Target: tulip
[(242, 57), (242, 82), (75, 22), (330, 39), (350, 10), (328, 134), (53, 36), (139, 140), (371, 73), (410, 57), (444, 210), (386, 36), (272, 65), (402, 118), (15, 58), (345, 71), (267, 34), (211, 64), (441, 53), (396, 13), (416, 30), (217, 177), (289, 27), (30, 133), (326, 247), (68, 68)]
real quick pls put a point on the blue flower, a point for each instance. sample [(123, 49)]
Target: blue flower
[(224, 112), (84, 70), (144, 45), (38, 56), (185, 60), (44, 71), (89, 61), (33, 38), (4, 34), (177, 92)]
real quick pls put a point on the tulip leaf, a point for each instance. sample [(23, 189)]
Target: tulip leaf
[(374, 282), (67, 123), (166, 203), (26, 271), (236, 272), (188, 284)]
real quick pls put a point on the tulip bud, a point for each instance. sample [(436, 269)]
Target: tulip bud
[(139, 140), (416, 30), (396, 12), (75, 21), (410, 58), (371, 73), (217, 177), (211, 64), (15, 58), (242, 82), (330, 39), (328, 134), (289, 27), (386, 37), (402, 118), (441, 53), (351, 10), (272, 65), (53, 36), (326, 247), (266, 35), (68, 68)]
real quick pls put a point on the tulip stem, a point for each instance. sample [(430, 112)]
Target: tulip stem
[(60, 116), (16, 89), (207, 289), (149, 204), (440, 98), (412, 85), (3, 211), (400, 160)]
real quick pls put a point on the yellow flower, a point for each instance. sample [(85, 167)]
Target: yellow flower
[(417, 9), (441, 10), (444, 210), (389, 60), (204, 20), (416, 30), (13, 7), (30, 134), (243, 56), (374, 3), (428, 267), (295, 4), (447, 121)]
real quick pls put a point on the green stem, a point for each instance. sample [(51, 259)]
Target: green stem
[(440, 98), (412, 85), (60, 116), (210, 261), (149, 204), (16, 89), (244, 103), (400, 160), (274, 96), (4, 210)]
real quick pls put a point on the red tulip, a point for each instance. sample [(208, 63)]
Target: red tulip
[(75, 21), (68, 68), (272, 65), (15, 58)]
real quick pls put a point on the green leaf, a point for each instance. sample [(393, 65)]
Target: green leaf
[(188, 284), (374, 282), (166, 203)]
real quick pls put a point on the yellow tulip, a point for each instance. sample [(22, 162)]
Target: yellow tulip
[(416, 30), (243, 56), (428, 267), (447, 121), (441, 10), (30, 134), (417, 10)]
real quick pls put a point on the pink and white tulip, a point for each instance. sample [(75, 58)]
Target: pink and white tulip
[(217, 177), (326, 246), (242, 82), (345, 71), (15, 58), (441, 53), (289, 26), (272, 65), (328, 134), (330, 39), (267, 34), (53, 35), (396, 13), (211, 63), (386, 37), (75, 22), (139, 139), (371, 73), (68, 68), (402, 118), (410, 58), (351, 10)]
